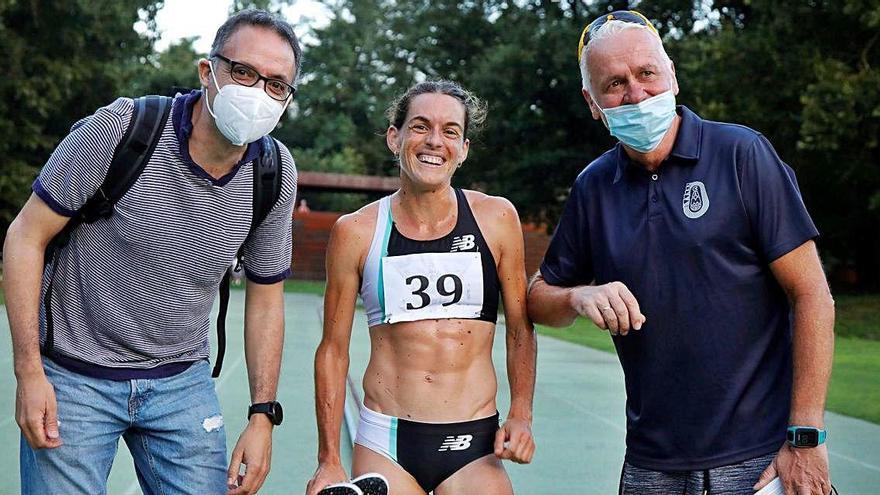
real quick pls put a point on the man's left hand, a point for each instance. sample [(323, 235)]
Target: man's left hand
[(802, 471), (254, 450), (517, 435)]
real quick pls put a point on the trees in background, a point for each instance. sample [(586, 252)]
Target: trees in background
[(807, 75), (803, 73), (61, 61)]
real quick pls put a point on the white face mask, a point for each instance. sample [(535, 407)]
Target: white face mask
[(243, 114)]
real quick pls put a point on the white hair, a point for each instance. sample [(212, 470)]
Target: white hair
[(606, 30)]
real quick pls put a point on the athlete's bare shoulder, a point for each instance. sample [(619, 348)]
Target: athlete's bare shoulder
[(491, 209), (358, 222), (352, 234)]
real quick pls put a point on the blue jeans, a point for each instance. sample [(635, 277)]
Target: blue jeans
[(172, 427)]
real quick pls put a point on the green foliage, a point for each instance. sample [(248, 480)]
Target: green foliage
[(808, 80), (63, 60), (344, 161), (858, 316), (159, 73), (509, 54)]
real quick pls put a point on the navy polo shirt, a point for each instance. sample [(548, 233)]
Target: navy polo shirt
[(708, 377)]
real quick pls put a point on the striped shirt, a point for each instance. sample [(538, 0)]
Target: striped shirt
[(135, 291)]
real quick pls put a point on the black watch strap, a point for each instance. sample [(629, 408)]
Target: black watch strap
[(272, 409)]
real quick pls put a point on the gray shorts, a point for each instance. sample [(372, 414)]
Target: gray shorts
[(734, 479)]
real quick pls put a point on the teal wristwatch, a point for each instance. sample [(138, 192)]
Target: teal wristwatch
[(805, 436)]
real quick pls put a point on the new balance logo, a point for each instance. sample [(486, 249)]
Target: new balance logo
[(462, 243), (452, 442)]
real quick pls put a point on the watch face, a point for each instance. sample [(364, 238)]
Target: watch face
[(806, 438), (277, 412)]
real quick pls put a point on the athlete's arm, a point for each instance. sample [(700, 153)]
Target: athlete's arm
[(503, 224), (550, 304), (344, 251), (263, 342), (800, 274), (23, 253)]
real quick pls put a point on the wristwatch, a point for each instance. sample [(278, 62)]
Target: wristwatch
[(272, 409), (805, 436)]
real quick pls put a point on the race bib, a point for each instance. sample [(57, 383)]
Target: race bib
[(432, 285)]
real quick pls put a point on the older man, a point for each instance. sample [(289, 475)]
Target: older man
[(690, 243), (124, 333)]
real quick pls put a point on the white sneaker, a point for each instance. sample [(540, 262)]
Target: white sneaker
[(372, 484), (341, 489)]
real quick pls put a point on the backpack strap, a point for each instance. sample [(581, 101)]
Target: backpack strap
[(267, 189), (134, 150), (149, 118), (267, 182)]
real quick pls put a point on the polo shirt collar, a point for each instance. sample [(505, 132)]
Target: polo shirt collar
[(181, 117), (686, 147)]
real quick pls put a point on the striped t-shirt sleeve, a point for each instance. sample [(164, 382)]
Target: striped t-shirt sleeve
[(78, 165), (267, 251)]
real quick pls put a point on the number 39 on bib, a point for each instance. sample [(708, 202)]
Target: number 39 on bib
[(432, 285)]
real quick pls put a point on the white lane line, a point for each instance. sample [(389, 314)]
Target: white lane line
[(855, 461), (583, 409)]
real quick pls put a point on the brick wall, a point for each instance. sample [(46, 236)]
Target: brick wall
[(536, 241), (311, 232)]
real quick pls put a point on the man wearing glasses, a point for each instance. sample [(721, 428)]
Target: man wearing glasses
[(690, 243), (133, 292)]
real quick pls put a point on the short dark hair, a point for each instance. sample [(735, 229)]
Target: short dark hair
[(474, 109), (257, 17)]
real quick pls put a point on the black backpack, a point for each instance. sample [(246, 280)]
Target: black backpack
[(129, 159)]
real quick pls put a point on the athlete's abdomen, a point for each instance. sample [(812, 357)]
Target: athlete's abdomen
[(432, 370)]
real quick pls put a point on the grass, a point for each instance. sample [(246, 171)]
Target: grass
[(855, 379), (858, 316), (300, 286), (583, 332), (305, 286), (855, 376)]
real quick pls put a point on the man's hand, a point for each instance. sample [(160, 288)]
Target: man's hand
[(611, 306), (801, 471), (36, 411), (326, 474), (517, 434), (254, 450)]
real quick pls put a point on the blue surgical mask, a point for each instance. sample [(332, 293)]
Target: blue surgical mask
[(641, 126)]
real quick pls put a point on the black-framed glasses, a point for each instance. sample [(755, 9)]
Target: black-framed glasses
[(246, 75), (618, 15)]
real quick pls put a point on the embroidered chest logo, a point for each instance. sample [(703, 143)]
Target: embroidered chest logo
[(695, 201), (452, 442), (463, 243)]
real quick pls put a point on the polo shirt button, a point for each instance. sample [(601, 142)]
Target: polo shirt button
[(654, 176), (654, 198)]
